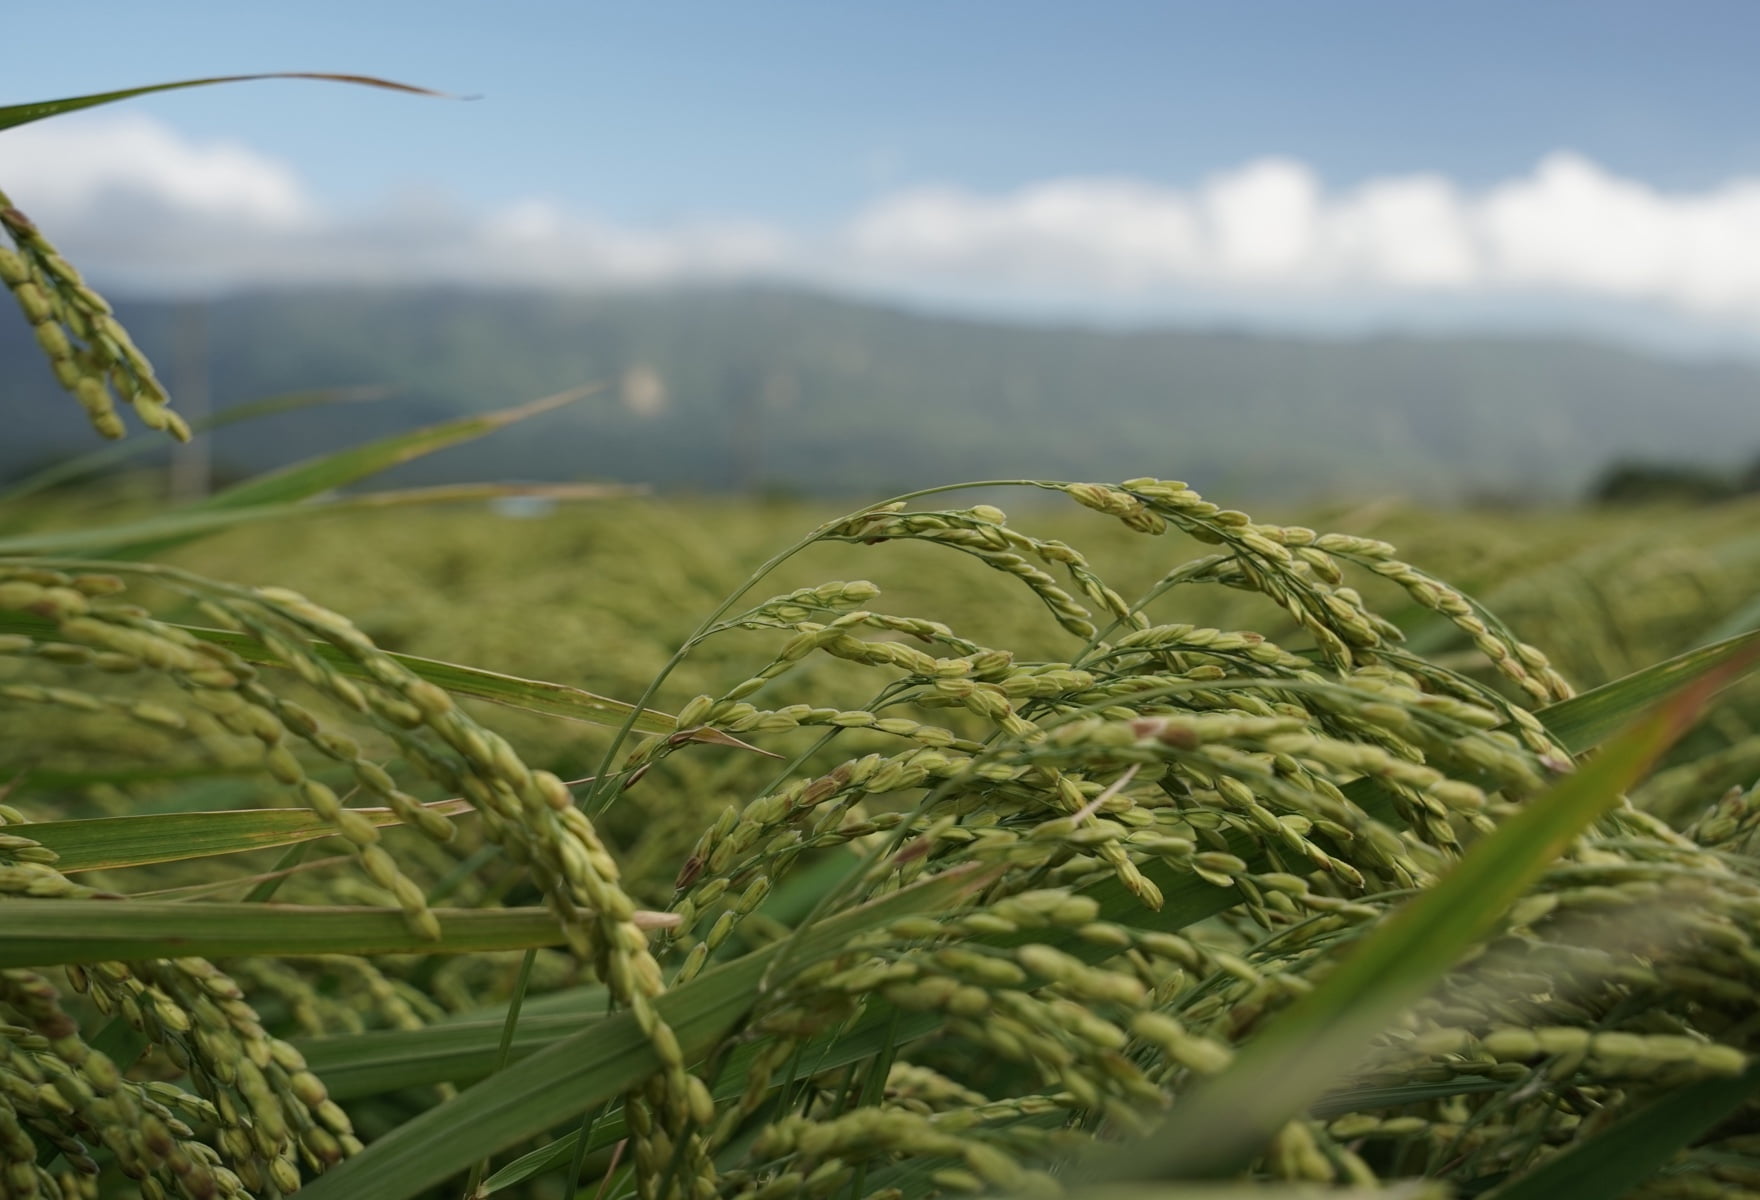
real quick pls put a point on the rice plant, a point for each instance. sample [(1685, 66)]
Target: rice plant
[(1059, 888)]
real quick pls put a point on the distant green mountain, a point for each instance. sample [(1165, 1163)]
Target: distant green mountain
[(748, 388)]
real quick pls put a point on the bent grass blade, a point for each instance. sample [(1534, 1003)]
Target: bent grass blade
[(330, 471), (111, 843), (112, 455), (13, 115), (47, 933)]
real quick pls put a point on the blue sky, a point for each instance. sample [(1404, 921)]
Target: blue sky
[(859, 143)]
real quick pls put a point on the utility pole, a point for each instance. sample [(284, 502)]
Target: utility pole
[(745, 411), (192, 465)]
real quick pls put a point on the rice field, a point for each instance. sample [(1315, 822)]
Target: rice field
[(935, 879), (1045, 839)]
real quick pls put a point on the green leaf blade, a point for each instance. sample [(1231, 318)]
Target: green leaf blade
[(14, 115), (114, 454), (112, 843), (328, 472), (46, 933)]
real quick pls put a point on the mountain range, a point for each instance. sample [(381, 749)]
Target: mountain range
[(716, 390)]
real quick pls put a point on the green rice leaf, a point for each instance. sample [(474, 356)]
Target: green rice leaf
[(388, 1060), (113, 454), (279, 493), (12, 115), (50, 777), (328, 472), (46, 933), (138, 539), (109, 843), (1582, 722)]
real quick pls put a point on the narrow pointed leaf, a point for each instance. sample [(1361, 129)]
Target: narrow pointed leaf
[(113, 454), (263, 885), (45, 933), (534, 695), (12, 115), (110, 843), (389, 1060), (43, 778), (139, 539), (328, 472), (1583, 721)]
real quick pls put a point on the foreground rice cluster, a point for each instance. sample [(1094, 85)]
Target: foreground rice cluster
[(997, 913)]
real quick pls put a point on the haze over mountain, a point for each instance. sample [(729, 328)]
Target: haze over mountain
[(722, 389)]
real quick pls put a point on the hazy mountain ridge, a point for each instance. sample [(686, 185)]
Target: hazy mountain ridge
[(717, 389)]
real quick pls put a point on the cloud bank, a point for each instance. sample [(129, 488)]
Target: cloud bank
[(137, 202)]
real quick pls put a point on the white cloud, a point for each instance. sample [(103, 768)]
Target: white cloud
[(537, 241), (1573, 225), (77, 169), (133, 199), (1410, 232), (129, 198), (1116, 234), (1265, 221), (1569, 228)]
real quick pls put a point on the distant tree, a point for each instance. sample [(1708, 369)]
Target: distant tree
[(1748, 482), (1651, 483)]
